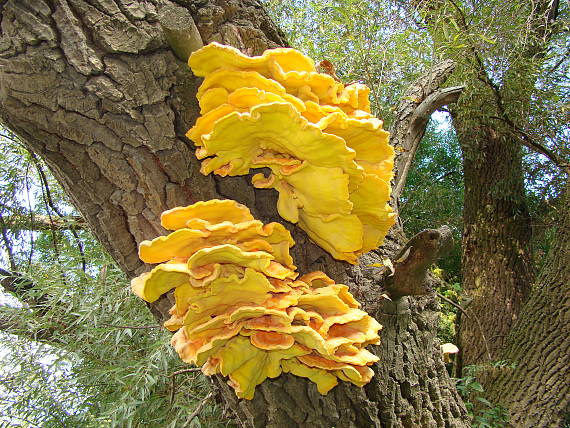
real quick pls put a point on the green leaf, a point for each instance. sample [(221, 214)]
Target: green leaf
[(454, 24), (484, 401), (493, 42), (476, 386)]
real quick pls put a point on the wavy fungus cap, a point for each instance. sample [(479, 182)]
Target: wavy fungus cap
[(328, 157), (240, 310)]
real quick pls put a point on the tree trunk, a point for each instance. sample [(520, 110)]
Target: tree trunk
[(94, 88), (496, 232), (536, 390)]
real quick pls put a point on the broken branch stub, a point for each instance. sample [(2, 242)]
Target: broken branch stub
[(412, 263)]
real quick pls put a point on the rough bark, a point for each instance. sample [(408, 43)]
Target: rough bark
[(94, 88), (496, 237), (536, 390)]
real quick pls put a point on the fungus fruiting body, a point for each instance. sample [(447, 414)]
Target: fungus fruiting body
[(241, 309), (328, 155), (448, 349)]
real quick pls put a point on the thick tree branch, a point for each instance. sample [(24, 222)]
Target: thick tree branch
[(422, 99), (417, 127), (20, 286), (15, 283), (27, 292)]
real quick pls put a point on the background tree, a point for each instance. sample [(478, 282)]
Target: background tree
[(494, 119), (503, 108)]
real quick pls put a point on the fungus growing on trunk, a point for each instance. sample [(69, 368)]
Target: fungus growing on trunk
[(276, 111), (240, 309)]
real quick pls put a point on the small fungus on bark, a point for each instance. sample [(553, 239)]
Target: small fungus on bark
[(276, 111), (242, 311)]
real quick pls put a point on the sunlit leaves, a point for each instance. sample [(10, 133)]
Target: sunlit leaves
[(70, 358), (370, 42)]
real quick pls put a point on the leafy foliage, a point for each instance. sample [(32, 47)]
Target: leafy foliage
[(484, 413), (370, 42), (71, 359), (447, 327)]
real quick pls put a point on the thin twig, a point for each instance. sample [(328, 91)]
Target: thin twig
[(534, 145), (451, 302), (51, 204), (198, 409), (30, 213), (133, 327), (48, 202), (464, 311), (7, 243), (172, 390), (173, 380), (485, 342), (483, 336), (559, 63), (193, 369)]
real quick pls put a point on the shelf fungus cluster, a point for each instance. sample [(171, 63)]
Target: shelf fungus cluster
[(328, 155), (240, 308)]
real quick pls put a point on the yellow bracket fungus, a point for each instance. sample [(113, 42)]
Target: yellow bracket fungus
[(242, 311), (329, 157)]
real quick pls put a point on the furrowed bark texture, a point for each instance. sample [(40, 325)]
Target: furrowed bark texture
[(537, 390), (93, 87), (496, 233)]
